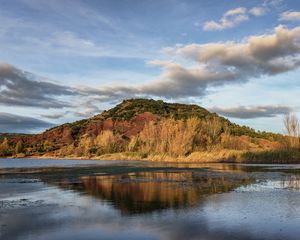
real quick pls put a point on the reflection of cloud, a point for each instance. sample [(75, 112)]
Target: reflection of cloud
[(252, 112), (15, 123), (59, 214)]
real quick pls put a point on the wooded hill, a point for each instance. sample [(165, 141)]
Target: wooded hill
[(146, 129)]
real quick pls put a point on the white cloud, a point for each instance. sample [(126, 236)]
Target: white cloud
[(290, 16), (68, 43), (258, 11), (87, 109), (214, 64), (262, 54), (235, 11), (206, 66), (273, 3), (230, 19), (236, 16)]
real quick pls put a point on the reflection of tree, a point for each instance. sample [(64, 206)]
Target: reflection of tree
[(149, 191), (291, 182)]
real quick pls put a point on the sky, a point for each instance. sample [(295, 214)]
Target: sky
[(65, 60)]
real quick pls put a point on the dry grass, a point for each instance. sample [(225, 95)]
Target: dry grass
[(133, 156), (281, 156), (220, 156)]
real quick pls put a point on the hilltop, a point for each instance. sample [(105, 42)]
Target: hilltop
[(132, 107), (131, 110), (146, 129)]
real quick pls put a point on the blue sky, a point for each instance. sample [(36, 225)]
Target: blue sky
[(64, 60)]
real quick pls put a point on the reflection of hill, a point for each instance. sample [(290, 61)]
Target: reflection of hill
[(149, 191)]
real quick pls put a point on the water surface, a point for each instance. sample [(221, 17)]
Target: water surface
[(26, 163), (129, 200)]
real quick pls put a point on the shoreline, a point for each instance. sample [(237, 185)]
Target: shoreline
[(237, 156)]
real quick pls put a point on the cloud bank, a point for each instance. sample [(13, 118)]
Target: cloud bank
[(213, 64), (205, 66), (229, 62), (20, 124), (19, 88), (243, 112)]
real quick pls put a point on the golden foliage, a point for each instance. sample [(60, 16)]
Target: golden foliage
[(19, 147), (178, 137), (4, 147), (233, 142), (105, 140)]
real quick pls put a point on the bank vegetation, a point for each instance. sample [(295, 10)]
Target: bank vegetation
[(170, 139)]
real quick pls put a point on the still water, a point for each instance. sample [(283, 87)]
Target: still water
[(62, 199)]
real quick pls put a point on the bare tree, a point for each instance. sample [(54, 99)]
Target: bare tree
[(292, 127)]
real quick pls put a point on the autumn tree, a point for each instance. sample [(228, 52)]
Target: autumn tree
[(19, 147), (213, 130), (4, 148), (133, 144), (109, 142), (85, 144), (175, 137)]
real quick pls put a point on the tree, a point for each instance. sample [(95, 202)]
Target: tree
[(133, 144), (85, 144), (108, 142), (292, 127), (4, 148), (175, 137), (19, 147)]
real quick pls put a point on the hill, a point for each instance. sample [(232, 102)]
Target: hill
[(145, 128), (132, 110)]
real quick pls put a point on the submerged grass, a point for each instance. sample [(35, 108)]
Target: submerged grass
[(273, 156)]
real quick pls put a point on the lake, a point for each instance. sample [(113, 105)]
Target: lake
[(83, 199)]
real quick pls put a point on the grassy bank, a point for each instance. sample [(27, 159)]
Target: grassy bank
[(222, 156), (230, 156), (282, 156)]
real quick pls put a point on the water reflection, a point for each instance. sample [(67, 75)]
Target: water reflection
[(291, 182), (151, 201), (144, 192)]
